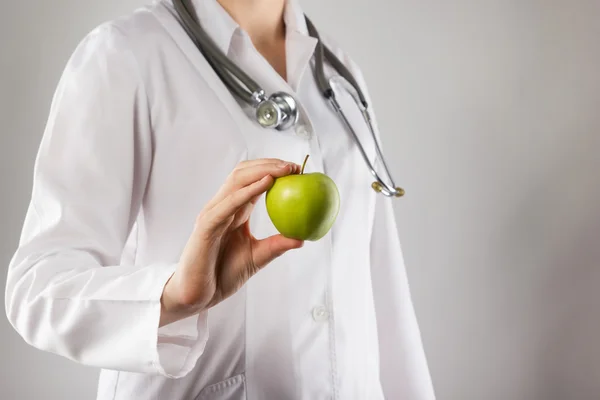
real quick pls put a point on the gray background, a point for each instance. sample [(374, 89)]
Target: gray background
[(490, 113)]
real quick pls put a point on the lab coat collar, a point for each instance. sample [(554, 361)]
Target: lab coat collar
[(221, 27), (216, 22)]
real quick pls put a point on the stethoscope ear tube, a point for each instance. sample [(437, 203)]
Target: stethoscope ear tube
[(216, 58), (322, 52)]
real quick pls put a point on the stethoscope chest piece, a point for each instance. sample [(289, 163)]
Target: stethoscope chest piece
[(279, 111)]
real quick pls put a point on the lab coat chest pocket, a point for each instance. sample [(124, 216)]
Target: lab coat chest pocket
[(233, 388)]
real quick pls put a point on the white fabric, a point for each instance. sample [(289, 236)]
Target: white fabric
[(141, 134)]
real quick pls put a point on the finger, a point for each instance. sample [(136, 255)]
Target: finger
[(235, 201), (226, 187), (258, 161), (242, 215), (266, 250), (242, 177), (248, 175), (254, 200)]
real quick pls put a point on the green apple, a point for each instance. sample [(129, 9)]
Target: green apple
[(303, 206)]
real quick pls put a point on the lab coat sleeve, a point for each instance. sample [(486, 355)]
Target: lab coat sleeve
[(403, 366), (67, 290)]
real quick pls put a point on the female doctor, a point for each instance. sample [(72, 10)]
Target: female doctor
[(147, 250)]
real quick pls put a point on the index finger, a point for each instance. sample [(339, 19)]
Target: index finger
[(250, 174), (236, 200), (258, 161)]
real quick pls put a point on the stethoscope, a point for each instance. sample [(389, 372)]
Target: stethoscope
[(279, 110)]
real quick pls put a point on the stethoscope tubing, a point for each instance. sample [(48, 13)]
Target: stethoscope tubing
[(234, 77)]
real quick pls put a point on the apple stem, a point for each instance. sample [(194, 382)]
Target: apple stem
[(304, 164)]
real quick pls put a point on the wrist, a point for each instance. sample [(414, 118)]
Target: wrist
[(175, 304), (171, 307)]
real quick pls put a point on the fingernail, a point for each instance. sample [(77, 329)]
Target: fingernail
[(283, 165)]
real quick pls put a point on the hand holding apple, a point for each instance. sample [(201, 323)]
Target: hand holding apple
[(221, 253), (303, 206)]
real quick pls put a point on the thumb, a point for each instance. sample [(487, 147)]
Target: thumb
[(266, 250)]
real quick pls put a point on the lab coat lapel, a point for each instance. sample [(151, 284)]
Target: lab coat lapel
[(168, 18)]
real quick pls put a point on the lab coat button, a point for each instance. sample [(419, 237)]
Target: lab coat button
[(302, 131), (320, 313)]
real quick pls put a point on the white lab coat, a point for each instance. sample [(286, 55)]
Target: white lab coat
[(141, 134)]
